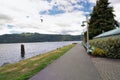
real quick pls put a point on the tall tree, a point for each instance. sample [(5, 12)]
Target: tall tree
[(102, 18)]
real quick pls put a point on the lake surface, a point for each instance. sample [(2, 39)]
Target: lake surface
[(10, 53)]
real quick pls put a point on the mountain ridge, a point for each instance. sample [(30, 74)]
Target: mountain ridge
[(36, 37)]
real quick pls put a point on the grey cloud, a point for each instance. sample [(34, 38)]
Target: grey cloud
[(68, 31), (115, 1), (1, 27), (4, 19), (15, 31), (55, 32), (63, 25), (32, 26)]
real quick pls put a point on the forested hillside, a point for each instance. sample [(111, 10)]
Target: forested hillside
[(36, 37)]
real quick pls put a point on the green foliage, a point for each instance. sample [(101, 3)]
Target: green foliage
[(111, 45), (102, 18), (35, 37), (99, 52)]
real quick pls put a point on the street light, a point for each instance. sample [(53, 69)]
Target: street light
[(82, 35), (87, 21)]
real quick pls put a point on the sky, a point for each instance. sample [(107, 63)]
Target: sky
[(59, 16)]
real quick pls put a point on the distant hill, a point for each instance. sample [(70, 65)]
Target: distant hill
[(36, 37)]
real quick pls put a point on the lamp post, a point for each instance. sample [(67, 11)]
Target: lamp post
[(87, 21), (83, 35)]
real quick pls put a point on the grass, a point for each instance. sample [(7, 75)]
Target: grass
[(25, 69)]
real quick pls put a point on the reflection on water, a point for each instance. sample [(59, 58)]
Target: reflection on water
[(10, 53)]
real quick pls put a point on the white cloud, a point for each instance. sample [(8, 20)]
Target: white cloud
[(52, 24), (19, 9), (66, 5), (114, 1), (92, 1), (4, 30), (116, 6), (24, 16)]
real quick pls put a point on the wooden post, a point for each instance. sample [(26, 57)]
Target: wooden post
[(22, 51)]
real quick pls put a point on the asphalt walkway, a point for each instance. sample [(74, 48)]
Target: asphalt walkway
[(74, 65)]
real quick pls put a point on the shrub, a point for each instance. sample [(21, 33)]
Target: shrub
[(111, 45), (99, 52)]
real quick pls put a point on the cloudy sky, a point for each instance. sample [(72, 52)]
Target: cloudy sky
[(59, 16)]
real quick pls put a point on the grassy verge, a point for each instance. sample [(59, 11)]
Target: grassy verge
[(25, 69)]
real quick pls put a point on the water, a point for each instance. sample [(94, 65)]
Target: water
[(10, 53)]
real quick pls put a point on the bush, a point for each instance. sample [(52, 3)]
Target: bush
[(111, 45), (99, 52)]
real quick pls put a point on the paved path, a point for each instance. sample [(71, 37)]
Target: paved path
[(109, 69), (74, 65)]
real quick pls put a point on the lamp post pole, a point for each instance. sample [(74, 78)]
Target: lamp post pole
[(87, 21), (87, 33), (83, 36)]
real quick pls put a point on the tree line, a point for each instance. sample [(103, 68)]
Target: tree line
[(36, 37)]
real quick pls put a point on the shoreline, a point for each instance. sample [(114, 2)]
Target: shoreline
[(27, 68)]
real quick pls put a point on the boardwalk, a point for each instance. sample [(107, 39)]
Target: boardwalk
[(74, 65)]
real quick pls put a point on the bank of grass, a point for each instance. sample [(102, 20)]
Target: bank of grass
[(25, 69)]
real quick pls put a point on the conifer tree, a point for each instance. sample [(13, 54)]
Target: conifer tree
[(102, 18)]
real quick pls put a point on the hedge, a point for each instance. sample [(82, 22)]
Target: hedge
[(108, 46)]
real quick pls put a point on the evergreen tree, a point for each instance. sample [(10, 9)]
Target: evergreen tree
[(102, 18)]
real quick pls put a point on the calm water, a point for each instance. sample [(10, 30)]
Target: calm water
[(10, 53)]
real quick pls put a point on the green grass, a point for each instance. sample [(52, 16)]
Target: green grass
[(25, 69)]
